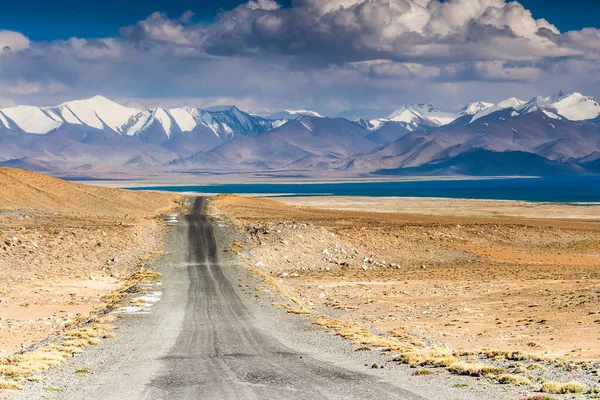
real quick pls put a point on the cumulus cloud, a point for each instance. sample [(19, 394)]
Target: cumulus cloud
[(159, 28), (12, 41), (354, 30), (321, 54)]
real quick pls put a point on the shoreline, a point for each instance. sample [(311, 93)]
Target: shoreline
[(541, 191), (141, 183)]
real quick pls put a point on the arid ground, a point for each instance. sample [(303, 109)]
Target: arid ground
[(64, 246), (504, 275)]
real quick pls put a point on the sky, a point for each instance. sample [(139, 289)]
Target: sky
[(266, 55)]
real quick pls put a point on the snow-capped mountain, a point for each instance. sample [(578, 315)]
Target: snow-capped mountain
[(513, 102), (555, 134), (101, 113), (421, 114), (97, 112), (474, 108), (574, 106), (293, 114)]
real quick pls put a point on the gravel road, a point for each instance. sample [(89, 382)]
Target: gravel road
[(211, 337), (202, 342)]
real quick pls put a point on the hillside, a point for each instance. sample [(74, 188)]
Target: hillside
[(21, 189)]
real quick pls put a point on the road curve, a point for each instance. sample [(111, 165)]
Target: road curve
[(202, 342)]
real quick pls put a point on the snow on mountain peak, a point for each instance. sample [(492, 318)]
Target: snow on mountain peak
[(474, 108), (577, 107), (574, 106), (426, 114), (32, 119), (513, 102), (304, 112)]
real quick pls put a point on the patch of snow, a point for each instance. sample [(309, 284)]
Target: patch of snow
[(99, 111), (425, 114), (304, 112), (474, 108), (4, 121), (577, 107), (279, 122), (485, 112), (184, 119), (164, 120), (308, 125), (31, 119), (551, 114), (513, 102)]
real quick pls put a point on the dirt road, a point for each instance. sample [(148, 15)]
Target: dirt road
[(201, 341)]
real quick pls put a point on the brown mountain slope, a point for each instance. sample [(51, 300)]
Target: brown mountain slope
[(21, 189)]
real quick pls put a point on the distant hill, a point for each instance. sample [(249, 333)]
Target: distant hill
[(21, 189)]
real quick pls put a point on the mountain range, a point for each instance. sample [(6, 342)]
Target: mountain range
[(552, 135)]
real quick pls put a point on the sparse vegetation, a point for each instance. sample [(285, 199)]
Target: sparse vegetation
[(10, 385), (512, 379), (474, 369), (54, 355), (421, 372), (54, 389), (563, 388)]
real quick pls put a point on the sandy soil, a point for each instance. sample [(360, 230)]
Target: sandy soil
[(64, 246), (513, 283), (450, 207)]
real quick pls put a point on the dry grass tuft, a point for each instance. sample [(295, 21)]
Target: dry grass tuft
[(280, 288), (10, 385), (536, 367), (103, 319), (512, 379), (103, 327), (474, 369), (563, 388)]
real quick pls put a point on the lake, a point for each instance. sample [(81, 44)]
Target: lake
[(553, 190)]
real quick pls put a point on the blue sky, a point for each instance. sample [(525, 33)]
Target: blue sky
[(329, 55), (46, 20)]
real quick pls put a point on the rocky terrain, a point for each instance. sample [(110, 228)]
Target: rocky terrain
[(63, 247), (485, 286)]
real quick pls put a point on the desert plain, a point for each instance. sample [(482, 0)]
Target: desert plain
[(464, 285), (65, 247), (470, 275)]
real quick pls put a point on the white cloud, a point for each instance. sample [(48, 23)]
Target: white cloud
[(314, 54), (263, 5), (12, 41)]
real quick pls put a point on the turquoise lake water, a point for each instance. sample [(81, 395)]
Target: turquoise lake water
[(553, 190)]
